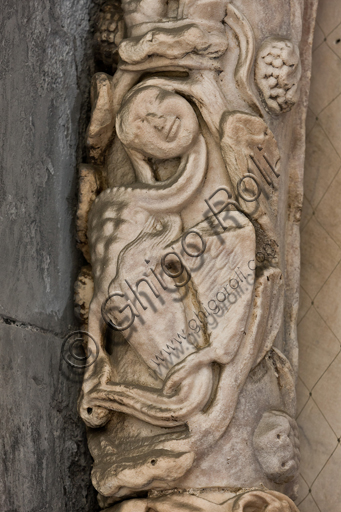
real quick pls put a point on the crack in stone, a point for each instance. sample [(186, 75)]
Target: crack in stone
[(27, 326)]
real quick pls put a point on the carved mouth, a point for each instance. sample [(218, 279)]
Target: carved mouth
[(173, 130)]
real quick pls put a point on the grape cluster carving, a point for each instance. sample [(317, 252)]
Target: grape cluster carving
[(277, 74)]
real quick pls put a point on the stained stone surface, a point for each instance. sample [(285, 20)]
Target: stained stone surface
[(44, 92), (44, 460), (44, 77)]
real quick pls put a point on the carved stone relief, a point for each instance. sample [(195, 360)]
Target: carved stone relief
[(278, 73), (186, 208)]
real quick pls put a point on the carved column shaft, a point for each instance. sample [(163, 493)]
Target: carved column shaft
[(189, 208)]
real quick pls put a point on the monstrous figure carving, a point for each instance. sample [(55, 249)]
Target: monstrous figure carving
[(189, 296)]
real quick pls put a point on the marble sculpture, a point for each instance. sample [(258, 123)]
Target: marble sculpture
[(188, 216)]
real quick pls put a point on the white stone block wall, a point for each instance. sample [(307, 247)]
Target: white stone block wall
[(319, 330)]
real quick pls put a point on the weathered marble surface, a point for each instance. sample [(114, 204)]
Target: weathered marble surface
[(204, 113), (319, 328)]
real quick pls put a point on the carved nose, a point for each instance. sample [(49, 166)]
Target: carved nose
[(159, 123)]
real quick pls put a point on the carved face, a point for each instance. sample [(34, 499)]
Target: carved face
[(277, 447), (157, 123)]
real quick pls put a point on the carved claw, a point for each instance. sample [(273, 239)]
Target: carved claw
[(148, 404), (181, 371), (96, 376), (93, 416)]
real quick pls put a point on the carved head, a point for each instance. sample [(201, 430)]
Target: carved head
[(157, 123), (277, 446)]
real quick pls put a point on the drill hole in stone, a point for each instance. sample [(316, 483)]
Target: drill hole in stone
[(153, 462), (89, 410)]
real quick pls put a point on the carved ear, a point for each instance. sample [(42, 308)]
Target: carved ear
[(259, 501)]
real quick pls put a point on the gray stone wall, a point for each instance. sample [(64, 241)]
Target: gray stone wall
[(45, 65)]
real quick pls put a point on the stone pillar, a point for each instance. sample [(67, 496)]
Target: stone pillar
[(189, 209), (44, 90)]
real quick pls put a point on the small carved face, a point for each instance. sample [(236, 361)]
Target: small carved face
[(157, 123), (277, 447)]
